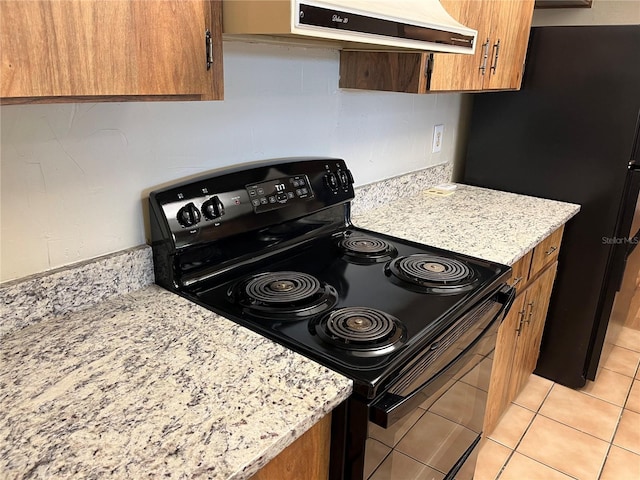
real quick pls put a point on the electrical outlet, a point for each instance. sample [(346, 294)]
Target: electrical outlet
[(438, 134)]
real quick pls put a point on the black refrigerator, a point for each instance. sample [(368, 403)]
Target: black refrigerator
[(571, 134)]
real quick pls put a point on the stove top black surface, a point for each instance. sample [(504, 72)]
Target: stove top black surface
[(271, 247), (385, 320)]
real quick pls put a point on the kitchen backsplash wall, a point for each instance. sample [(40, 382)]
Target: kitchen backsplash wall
[(75, 176)]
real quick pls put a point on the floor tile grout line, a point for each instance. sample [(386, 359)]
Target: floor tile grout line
[(535, 414), (537, 460), (605, 400), (609, 443), (606, 456), (615, 430), (587, 433), (568, 426), (618, 426), (616, 371)]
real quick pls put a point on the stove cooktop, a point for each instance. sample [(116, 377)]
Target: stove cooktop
[(357, 314)]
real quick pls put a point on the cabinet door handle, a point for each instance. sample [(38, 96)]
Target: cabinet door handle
[(208, 39), (551, 250), (496, 48), (485, 56), (530, 308), (520, 321)]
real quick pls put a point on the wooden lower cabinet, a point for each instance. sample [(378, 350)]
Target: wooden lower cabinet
[(307, 458), (529, 335), (518, 345), (498, 395)]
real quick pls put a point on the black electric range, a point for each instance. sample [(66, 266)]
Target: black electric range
[(272, 246)]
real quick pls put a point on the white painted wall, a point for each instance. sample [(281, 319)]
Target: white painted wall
[(602, 12), (74, 176)]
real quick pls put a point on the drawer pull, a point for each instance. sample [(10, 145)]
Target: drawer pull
[(516, 281), (551, 250)]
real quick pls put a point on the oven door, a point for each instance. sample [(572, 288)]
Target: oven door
[(455, 352), (431, 418)]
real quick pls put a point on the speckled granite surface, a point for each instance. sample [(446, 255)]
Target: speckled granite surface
[(382, 193), (27, 300), (488, 224), (148, 385)]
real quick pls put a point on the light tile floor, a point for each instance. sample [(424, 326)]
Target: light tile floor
[(552, 432)]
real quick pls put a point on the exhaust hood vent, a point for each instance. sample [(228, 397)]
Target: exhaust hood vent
[(379, 25)]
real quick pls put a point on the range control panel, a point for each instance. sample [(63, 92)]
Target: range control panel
[(279, 193), (236, 200)]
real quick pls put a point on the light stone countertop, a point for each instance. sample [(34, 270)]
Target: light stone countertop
[(148, 385), (489, 224)]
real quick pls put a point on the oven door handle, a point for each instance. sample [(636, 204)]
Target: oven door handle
[(391, 407)]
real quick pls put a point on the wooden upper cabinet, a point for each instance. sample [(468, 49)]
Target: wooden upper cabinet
[(510, 27), (503, 32), (452, 72), (74, 50)]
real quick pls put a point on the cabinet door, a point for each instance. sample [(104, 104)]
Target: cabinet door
[(463, 72), (510, 26), (536, 304), (121, 48), (498, 396)]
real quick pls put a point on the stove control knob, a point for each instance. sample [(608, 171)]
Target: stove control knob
[(189, 215), (331, 181), (350, 175), (343, 177), (213, 208)]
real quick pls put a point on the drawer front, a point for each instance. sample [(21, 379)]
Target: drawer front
[(520, 272), (546, 252)]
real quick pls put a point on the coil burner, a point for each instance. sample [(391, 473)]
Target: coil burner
[(363, 331), (283, 295), (363, 250), (431, 273)]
